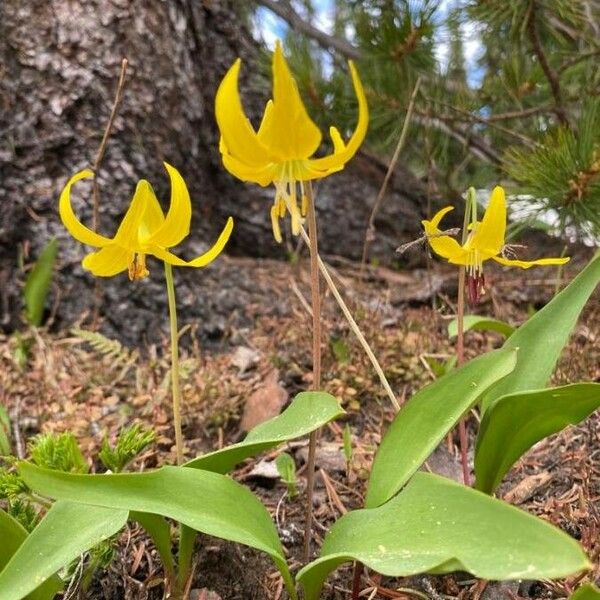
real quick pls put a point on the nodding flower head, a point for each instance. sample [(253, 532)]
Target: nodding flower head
[(281, 151), (145, 229), (485, 241)]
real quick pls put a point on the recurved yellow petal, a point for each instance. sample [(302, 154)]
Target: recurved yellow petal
[(489, 234), (199, 261), (153, 217), (74, 226), (287, 130), (439, 215), (449, 248), (238, 134), (127, 235), (108, 261), (263, 175), (176, 225), (443, 245), (526, 264), (341, 155)]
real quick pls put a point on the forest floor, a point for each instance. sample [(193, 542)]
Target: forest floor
[(248, 375)]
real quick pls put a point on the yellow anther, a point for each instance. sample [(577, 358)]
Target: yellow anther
[(304, 206), (275, 213), (281, 204), (137, 267)]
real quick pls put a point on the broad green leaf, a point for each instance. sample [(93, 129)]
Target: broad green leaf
[(13, 534), (307, 412), (160, 532), (38, 283), (514, 423), (479, 323), (438, 526), (541, 338), (426, 418), (62, 535), (207, 502), (4, 432), (587, 591)]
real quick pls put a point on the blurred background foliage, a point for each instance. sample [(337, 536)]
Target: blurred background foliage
[(509, 91)]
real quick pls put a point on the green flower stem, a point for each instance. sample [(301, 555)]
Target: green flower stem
[(176, 393), (460, 358), (470, 215), (187, 538), (559, 271), (316, 383)]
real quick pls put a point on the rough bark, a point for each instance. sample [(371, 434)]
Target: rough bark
[(59, 62)]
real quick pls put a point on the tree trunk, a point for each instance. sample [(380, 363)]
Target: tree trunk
[(59, 62)]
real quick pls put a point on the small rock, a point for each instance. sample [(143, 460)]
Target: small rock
[(329, 457), (244, 358), (441, 462), (500, 590), (266, 469), (265, 403), (204, 594)]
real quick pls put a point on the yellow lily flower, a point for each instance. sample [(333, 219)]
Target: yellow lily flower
[(485, 241), (280, 151), (144, 230)]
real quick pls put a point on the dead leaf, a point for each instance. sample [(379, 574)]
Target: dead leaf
[(527, 488)]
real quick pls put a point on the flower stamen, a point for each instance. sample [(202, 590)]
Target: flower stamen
[(137, 267)]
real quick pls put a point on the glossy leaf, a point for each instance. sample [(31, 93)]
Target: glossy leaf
[(62, 536), (426, 418), (207, 502), (13, 534), (438, 526), (38, 283), (587, 591), (307, 412), (541, 338), (514, 423), (479, 323)]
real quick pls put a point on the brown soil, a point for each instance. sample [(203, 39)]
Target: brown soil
[(63, 388)]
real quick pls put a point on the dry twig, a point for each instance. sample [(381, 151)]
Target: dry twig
[(370, 233)]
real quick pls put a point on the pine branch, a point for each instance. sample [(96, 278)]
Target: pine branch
[(551, 76), (519, 114), (577, 59), (470, 117), (475, 144), (284, 9)]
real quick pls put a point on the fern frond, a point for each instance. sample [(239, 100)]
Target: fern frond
[(107, 347)]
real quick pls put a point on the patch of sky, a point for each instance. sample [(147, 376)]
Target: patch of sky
[(268, 27), (472, 46)]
